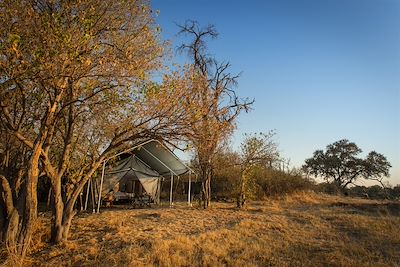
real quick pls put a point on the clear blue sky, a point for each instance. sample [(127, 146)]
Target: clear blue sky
[(319, 70)]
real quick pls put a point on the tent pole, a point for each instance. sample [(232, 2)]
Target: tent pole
[(81, 200), (48, 199), (92, 188), (170, 191), (190, 185), (177, 183), (101, 186), (87, 194), (159, 192)]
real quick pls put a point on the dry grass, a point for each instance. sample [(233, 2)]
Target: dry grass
[(301, 230)]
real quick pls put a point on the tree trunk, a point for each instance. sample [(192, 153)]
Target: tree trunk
[(241, 198), (63, 211), (30, 205), (63, 215), (6, 205), (69, 214), (58, 210), (206, 185), (11, 231), (3, 221), (22, 212)]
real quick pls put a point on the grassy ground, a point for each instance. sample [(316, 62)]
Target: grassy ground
[(301, 230)]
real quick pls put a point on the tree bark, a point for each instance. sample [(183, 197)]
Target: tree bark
[(30, 205), (9, 226), (22, 212), (62, 223), (6, 202), (69, 214), (63, 211), (241, 198), (58, 210), (206, 185), (11, 231)]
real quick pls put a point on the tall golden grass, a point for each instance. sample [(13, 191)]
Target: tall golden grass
[(304, 229)]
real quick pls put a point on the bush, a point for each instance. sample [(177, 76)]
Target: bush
[(278, 183), (329, 188), (369, 192), (265, 182)]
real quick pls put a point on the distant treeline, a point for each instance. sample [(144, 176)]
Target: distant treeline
[(269, 182), (370, 192)]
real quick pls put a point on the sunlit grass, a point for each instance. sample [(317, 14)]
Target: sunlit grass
[(299, 230)]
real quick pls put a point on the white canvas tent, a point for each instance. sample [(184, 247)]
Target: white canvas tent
[(149, 161), (122, 179)]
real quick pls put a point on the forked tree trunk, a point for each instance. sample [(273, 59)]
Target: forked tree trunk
[(63, 211), (22, 213)]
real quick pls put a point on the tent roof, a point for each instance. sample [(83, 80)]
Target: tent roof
[(160, 158), (132, 163)]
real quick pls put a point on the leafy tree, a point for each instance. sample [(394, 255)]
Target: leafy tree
[(255, 171), (227, 171), (396, 192), (341, 165), (376, 167), (257, 150), (212, 103), (74, 90)]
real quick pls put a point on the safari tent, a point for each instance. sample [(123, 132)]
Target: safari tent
[(139, 170), (129, 177)]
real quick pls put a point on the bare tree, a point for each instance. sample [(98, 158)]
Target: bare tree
[(212, 103)]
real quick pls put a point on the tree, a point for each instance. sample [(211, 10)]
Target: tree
[(257, 151), (212, 103), (341, 165), (226, 169), (396, 192), (376, 167), (13, 161), (74, 90)]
